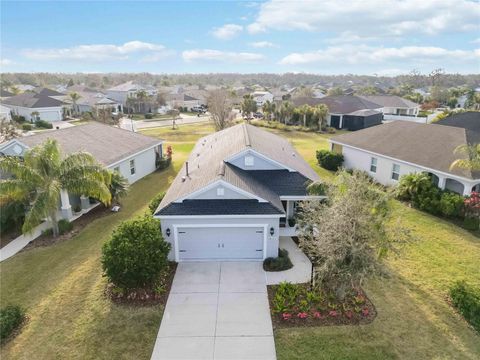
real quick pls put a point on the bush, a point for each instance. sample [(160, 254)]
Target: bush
[(471, 223), (467, 300), (329, 160), (12, 215), (153, 205), (27, 127), (280, 263), (136, 255), (317, 188), (18, 118), (148, 116), (451, 204), (43, 124), (64, 226), (11, 317), (164, 162)]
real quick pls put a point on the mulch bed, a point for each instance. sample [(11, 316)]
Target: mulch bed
[(323, 318), (78, 225), (143, 297)]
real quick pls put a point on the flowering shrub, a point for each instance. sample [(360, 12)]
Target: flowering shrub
[(365, 312), (349, 314), (169, 151), (472, 211), (317, 315), (333, 313), (302, 315), (286, 316)]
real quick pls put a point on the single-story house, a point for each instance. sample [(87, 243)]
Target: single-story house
[(389, 151), (261, 97), (47, 107), (346, 111), (394, 105), (131, 154), (175, 100), (234, 195)]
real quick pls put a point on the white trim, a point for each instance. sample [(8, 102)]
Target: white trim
[(224, 184), (263, 216), (300, 198), (264, 157), (405, 162), (176, 226), (134, 155)]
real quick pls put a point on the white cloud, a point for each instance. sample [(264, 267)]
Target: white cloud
[(6, 62), (227, 31), (99, 52), (363, 54), (262, 44), (221, 56), (369, 17)]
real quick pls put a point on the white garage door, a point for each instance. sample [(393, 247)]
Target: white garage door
[(220, 243)]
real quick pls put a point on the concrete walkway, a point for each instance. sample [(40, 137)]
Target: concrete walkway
[(217, 310)]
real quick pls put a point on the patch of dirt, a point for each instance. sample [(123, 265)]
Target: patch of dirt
[(144, 297), (78, 225), (322, 316)]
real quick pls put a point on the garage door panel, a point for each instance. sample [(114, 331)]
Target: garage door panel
[(220, 243)]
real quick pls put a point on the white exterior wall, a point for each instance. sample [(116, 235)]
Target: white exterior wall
[(144, 165), (48, 113), (272, 241)]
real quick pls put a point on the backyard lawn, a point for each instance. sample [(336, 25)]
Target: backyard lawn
[(61, 288)]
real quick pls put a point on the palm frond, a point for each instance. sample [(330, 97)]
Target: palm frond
[(14, 189), (42, 206), (21, 171)]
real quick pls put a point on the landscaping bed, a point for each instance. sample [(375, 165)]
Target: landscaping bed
[(144, 297), (311, 309), (47, 239)]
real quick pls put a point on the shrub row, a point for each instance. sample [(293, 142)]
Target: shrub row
[(329, 160), (11, 317), (64, 226), (43, 124), (467, 300)]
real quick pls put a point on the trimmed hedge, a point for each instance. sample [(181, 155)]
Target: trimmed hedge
[(27, 127), (153, 205), (329, 160), (11, 317), (136, 255), (280, 263), (43, 124), (467, 300)]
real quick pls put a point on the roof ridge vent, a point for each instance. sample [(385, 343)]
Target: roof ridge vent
[(247, 137)]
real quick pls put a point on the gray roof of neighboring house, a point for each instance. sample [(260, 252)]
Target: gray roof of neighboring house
[(207, 163), (431, 146), (42, 91), (470, 121), (338, 104), (189, 98), (106, 143), (6, 93), (127, 86), (220, 207), (392, 101), (365, 112), (32, 100)]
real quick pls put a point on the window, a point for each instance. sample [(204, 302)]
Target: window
[(373, 165), (249, 161), (220, 191), (395, 172), (116, 169), (132, 167)]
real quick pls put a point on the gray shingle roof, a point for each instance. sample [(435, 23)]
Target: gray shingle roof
[(220, 207), (207, 163), (32, 100), (390, 101), (428, 145), (107, 144), (339, 104), (282, 182)]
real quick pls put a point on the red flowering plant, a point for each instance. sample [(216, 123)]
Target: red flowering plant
[(365, 312), (333, 313), (317, 315), (302, 315), (286, 316), (472, 205), (169, 151)]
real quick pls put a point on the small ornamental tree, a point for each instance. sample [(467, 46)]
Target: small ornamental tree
[(136, 254), (347, 236)]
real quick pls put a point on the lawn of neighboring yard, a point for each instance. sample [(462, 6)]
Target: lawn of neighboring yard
[(62, 289)]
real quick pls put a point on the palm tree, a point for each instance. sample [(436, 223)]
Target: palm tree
[(320, 113), (471, 158), (74, 97), (44, 173), (304, 110), (142, 97), (286, 111), (118, 186)]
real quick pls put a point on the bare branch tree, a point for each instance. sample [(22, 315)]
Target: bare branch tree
[(220, 108)]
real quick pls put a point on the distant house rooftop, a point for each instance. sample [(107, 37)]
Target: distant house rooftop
[(33, 100), (391, 101), (339, 104)]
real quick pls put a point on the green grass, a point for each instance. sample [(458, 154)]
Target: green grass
[(61, 288)]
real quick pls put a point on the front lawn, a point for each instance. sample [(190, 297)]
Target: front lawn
[(61, 288)]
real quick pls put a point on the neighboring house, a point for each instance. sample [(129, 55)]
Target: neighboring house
[(347, 111), (132, 154), (47, 107), (398, 148), (4, 94), (5, 113), (92, 101), (24, 88), (394, 105), (176, 100), (261, 97), (233, 196), (122, 92)]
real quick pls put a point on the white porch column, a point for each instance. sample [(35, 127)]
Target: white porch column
[(85, 202), (66, 207), (441, 182), (467, 189)]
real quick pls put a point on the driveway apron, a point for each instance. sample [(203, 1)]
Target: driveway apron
[(216, 310)]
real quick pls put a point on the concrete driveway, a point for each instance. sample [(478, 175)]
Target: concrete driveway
[(217, 310)]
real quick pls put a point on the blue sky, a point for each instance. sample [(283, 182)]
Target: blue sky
[(386, 37)]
